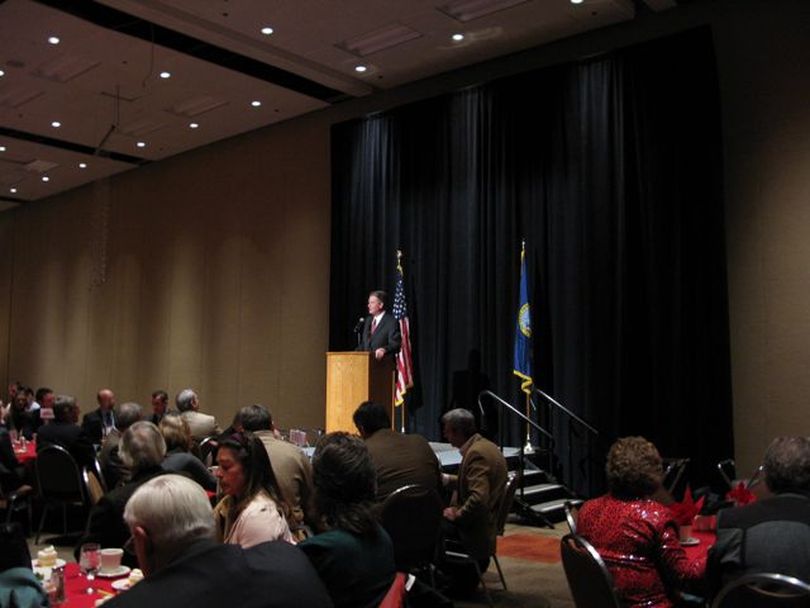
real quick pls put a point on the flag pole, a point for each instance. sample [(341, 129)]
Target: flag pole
[(402, 410), (528, 448)]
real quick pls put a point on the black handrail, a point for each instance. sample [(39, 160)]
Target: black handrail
[(566, 410)]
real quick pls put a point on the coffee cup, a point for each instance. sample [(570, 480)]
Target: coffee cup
[(111, 559)]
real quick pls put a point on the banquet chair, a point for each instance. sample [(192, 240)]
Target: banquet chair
[(571, 513), (674, 468), (207, 450), (412, 516), (60, 483), (395, 598), (588, 578), (455, 551), (765, 590), (15, 501)]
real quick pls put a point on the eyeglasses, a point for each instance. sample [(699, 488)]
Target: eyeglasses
[(129, 546)]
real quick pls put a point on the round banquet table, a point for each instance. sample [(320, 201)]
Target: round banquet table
[(28, 455), (76, 584)]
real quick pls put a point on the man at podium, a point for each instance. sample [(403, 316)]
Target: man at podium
[(380, 329)]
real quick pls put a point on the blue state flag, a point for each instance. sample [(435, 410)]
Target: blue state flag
[(522, 366)]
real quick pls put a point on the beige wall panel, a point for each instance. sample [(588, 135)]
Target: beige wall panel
[(7, 221)]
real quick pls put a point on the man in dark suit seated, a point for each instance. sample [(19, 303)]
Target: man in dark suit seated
[(98, 423), (65, 431), (172, 530), (380, 330), (399, 459), (772, 534)]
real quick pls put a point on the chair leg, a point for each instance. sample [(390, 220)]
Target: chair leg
[(483, 584), (41, 522), (500, 572)]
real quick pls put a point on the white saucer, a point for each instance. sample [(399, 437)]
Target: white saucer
[(58, 564), (689, 542), (119, 571), (121, 584)]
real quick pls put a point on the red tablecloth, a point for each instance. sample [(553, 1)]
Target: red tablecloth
[(76, 584), (706, 538), (27, 455)]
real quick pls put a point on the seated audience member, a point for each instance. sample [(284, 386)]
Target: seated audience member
[(18, 585), (353, 555), (253, 510), (291, 467), (160, 404), (142, 450), (635, 535), (21, 418), (772, 534), (44, 398), (479, 488), (172, 529), (201, 425), (114, 470), (65, 431), (98, 423), (11, 472), (179, 458), (399, 459)]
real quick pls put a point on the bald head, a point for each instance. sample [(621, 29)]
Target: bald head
[(106, 399)]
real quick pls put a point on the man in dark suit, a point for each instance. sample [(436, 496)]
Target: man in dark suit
[(398, 458), (98, 423), (64, 431), (771, 534), (380, 329), (172, 530)]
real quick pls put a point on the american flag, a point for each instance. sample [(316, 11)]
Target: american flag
[(404, 361)]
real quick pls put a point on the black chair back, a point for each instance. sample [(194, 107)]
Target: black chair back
[(13, 547), (764, 590), (571, 514), (512, 483), (412, 517), (588, 578), (58, 475)]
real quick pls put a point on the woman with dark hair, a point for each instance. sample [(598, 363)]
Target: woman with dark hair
[(179, 458), (636, 535), (353, 554), (253, 510)]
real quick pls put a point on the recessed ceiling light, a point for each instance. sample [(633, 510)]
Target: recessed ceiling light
[(165, 75), (82, 165), (53, 40), (13, 190), (360, 68), (45, 178), (458, 37), (267, 30), (2, 73), (255, 103), (193, 125), (576, 1), (141, 144), (2, 148), (56, 124)]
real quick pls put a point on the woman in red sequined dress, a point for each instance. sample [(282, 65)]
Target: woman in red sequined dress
[(635, 535)]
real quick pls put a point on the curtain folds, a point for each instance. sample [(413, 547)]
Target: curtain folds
[(611, 170)]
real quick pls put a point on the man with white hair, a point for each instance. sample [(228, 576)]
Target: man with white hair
[(201, 425), (142, 449), (172, 528)]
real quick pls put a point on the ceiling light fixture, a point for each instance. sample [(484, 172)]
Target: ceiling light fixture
[(267, 31), (82, 165), (13, 190), (2, 73), (53, 40), (458, 37), (256, 103), (360, 68), (576, 1), (141, 144), (165, 75), (45, 178), (193, 125), (2, 148), (56, 124)]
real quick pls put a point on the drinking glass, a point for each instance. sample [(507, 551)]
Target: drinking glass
[(89, 562)]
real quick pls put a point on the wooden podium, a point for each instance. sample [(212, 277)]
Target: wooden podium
[(354, 377)]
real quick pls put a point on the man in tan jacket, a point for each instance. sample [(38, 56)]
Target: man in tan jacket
[(480, 485), (201, 425)]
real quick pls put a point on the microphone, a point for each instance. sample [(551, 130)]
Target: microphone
[(359, 327)]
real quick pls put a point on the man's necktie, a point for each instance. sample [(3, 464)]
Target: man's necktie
[(373, 325)]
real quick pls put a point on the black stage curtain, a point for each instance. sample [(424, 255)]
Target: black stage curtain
[(610, 168)]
